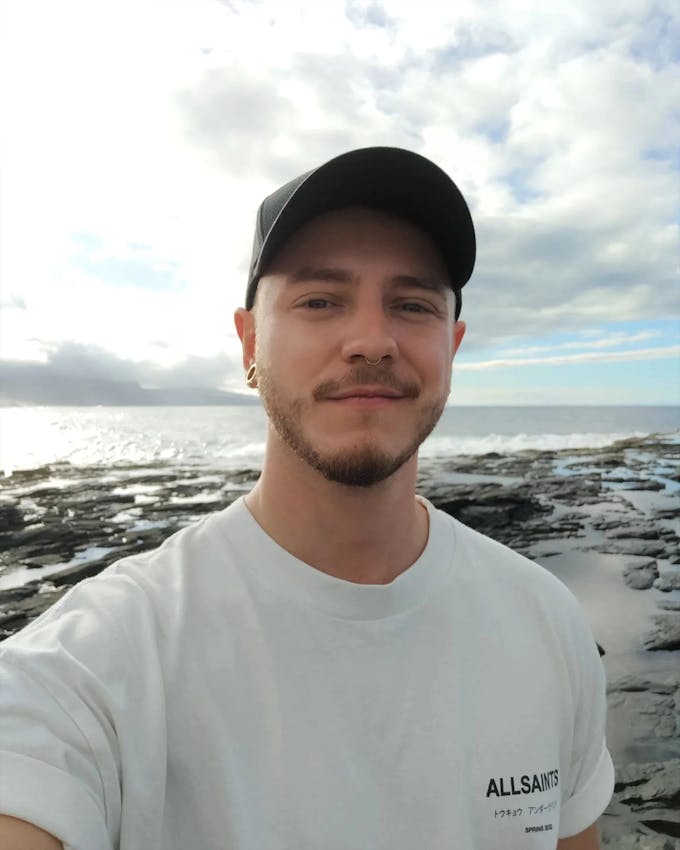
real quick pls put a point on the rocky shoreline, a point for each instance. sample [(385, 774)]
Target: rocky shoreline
[(607, 514)]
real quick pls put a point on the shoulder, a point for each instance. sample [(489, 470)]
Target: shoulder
[(511, 588), (485, 559), (205, 538), (129, 603)]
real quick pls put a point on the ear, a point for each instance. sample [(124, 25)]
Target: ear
[(245, 328), (458, 334)]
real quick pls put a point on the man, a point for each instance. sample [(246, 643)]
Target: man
[(330, 662)]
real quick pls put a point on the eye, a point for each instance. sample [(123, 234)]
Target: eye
[(317, 303), (414, 307)]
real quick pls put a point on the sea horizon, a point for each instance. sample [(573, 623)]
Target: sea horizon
[(232, 436)]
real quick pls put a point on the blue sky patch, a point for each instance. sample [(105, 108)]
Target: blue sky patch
[(139, 269), (520, 182)]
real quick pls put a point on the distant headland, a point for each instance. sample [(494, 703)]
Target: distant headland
[(23, 383)]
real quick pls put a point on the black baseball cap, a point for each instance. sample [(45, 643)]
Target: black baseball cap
[(391, 179)]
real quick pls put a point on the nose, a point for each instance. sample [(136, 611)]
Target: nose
[(370, 336)]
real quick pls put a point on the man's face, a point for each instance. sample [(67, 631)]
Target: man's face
[(352, 286)]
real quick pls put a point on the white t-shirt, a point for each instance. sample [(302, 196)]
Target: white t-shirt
[(219, 694)]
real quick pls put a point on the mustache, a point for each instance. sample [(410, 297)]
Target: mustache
[(366, 375)]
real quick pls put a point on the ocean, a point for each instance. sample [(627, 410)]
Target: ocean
[(233, 437)]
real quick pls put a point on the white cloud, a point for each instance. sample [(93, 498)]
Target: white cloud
[(660, 353), (607, 341), (165, 123)]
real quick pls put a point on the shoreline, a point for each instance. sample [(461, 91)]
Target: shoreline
[(603, 520)]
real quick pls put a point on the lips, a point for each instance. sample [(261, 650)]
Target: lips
[(365, 392)]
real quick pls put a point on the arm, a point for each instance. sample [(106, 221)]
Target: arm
[(17, 833), (586, 840)]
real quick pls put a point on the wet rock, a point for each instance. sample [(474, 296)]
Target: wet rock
[(47, 560), (665, 634), (649, 531), (632, 683), (640, 573), (577, 490), (491, 509), (666, 513), (11, 518), (639, 563), (640, 842), (21, 612), (632, 546), (669, 604), (11, 594), (668, 582), (609, 460), (637, 484), (638, 579), (647, 707), (650, 788), (73, 574), (49, 535), (644, 810)]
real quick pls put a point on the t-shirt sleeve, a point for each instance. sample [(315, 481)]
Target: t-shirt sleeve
[(49, 775), (78, 721), (589, 783)]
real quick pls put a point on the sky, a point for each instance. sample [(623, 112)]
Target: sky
[(140, 137)]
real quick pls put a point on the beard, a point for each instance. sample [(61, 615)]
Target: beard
[(363, 465)]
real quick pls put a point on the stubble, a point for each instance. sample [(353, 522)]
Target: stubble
[(363, 465)]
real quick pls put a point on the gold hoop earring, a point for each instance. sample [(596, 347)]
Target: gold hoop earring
[(251, 375)]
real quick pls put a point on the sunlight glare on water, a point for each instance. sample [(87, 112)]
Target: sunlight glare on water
[(32, 437), (233, 437)]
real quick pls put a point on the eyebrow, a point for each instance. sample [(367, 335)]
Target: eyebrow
[(309, 274), (432, 284)]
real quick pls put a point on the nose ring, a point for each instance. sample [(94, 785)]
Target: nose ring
[(372, 362)]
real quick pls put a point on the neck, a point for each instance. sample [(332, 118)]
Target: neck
[(367, 535)]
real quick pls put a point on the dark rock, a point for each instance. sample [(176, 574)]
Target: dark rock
[(635, 530), (640, 579), (640, 573), (651, 714), (609, 460), (77, 572), (639, 842), (668, 582), (665, 634), (640, 563), (649, 786), (632, 683), (50, 534), (21, 612), (11, 594), (47, 560), (633, 546), (577, 490), (490, 506), (11, 518), (637, 484), (644, 810)]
